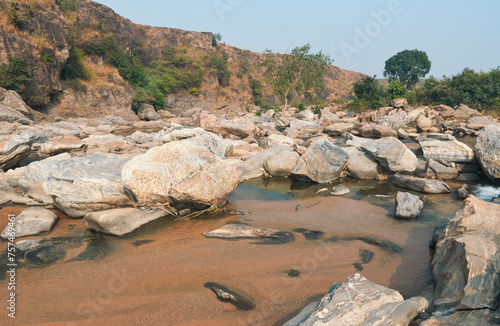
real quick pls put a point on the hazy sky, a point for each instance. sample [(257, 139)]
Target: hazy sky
[(359, 35)]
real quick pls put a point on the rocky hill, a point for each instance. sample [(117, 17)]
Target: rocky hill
[(83, 59)]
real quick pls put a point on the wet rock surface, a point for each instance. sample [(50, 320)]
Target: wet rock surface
[(242, 231)]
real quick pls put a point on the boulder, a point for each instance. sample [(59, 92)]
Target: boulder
[(180, 172), (327, 114), (140, 137), (424, 123), (464, 113), (13, 100), (354, 141), (15, 148), (463, 191), (147, 112), (62, 144), (241, 148), (275, 139), (196, 137), (306, 115), (253, 166), (466, 263), (436, 170), (79, 185), (445, 111), (391, 154), (361, 166), (165, 114), (338, 129), (399, 102), (282, 164), (445, 148), (207, 121), (241, 127), (360, 302), (408, 205), (322, 163), (13, 116), (420, 184), (107, 144), (31, 221), (377, 131), (488, 151), (478, 123), (121, 221)]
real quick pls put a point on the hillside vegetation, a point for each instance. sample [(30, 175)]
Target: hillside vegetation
[(69, 50)]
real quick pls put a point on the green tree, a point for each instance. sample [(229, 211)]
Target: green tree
[(396, 90), (299, 71), (219, 62), (408, 67), (368, 94)]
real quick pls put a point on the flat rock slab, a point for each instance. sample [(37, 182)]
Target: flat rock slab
[(445, 148), (420, 184), (32, 221), (121, 221), (242, 231)]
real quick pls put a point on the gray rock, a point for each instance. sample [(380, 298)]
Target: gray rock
[(181, 172), (196, 137), (408, 205), (140, 137), (62, 144), (14, 148), (391, 154), (445, 148), (322, 163), (402, 134), (464, 113), (241, 127), (488, 151), (10, 115), (121, 221), (13, 100), (420, 184), (463, 191), (338, 129), (466, 263), (282, 164), (483, 317), (363, 303), (147, 112), (340, 190), (436, 170), (354, 141), (79, 185), (253, 166), (306, 115), (361, 166), (32, 221), (276, 139)]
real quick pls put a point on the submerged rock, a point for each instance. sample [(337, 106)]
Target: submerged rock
[(242, 231), (226, 295), (340, 190), (322, 163), (420, 184), (121, 221), (32, 221), (361, 302), (408, 205), (488, 151)]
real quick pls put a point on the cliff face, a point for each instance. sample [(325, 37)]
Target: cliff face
[(42, 33)]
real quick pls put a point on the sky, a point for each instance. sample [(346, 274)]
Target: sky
[(359, 35)]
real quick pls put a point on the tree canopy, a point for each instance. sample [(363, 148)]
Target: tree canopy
[(407, 66), (299, 71)]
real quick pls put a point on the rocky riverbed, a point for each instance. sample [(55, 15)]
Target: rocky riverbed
[(146, 203)]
